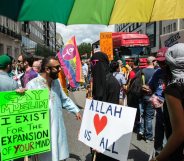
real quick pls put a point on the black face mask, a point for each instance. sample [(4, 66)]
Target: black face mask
[(54, 75)]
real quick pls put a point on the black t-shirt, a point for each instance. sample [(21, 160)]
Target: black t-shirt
[(112, 89), (176, 90)]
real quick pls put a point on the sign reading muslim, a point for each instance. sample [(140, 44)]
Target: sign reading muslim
[(24, 124), (107, 128)]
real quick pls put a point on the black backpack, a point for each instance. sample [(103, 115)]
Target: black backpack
[(136, 85)]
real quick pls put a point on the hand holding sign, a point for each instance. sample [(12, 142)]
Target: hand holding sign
[(21, 90)]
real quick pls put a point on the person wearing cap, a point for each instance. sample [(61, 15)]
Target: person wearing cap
[(174, 148), (156, 87), (145, 130), (6, 83)]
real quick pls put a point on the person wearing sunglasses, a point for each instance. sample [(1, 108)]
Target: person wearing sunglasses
[(25, 63), (48, 78)]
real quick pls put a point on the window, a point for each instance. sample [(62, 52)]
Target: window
[(1, 48), (151, 32), (164, 31), (119, 28), (167, 29), (16, 51), (9, 50), (137, 25), (4, 21), (6, 25), (130, 28), (1, 20), (174, 26), (133, 26), (171, 27)]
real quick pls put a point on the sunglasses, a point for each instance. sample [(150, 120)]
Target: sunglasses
[(19, 61), (56, 67), (94, 62)]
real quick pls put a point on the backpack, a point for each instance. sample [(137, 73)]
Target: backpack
[(136, 85)]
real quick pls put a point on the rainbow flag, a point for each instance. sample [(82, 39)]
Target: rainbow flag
[(70, 62)]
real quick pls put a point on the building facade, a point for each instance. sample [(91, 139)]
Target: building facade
[(38, 38), (59, 42), (10, 36)]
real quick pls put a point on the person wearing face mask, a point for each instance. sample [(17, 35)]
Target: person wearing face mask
[(58, 100), (6, 83)]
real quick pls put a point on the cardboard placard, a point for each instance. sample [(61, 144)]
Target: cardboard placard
[(24, 124), (107, 128), (106, 44)]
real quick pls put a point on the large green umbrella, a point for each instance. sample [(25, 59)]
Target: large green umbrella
[(92, 11)]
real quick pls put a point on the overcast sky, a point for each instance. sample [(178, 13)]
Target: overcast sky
[(83, 33)]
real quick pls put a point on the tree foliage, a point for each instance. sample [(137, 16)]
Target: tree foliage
[(84, 48)]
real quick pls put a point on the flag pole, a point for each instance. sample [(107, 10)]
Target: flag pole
[(94, 156)]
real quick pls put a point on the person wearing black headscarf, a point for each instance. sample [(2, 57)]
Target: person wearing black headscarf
[(105, 87)]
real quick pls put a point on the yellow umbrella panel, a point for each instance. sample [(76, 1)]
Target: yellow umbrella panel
[(126, 11), (168, 10)]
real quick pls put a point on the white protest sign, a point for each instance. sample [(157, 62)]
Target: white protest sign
[(107, 128)]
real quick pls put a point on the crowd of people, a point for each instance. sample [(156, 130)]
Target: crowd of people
[(156, 89), (23, 76)]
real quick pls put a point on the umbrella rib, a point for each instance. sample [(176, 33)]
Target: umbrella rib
[(111, 12), (152, 10)]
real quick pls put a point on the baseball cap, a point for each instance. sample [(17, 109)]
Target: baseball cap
[(150, 59), (161, 54), (4, 60)]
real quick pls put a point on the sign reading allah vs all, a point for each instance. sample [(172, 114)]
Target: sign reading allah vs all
[(24, 124), (107, 128)]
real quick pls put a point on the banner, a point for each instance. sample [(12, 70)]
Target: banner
[(106, 44), (107, 128), (170, 39), (24, 124), (70, 62)]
